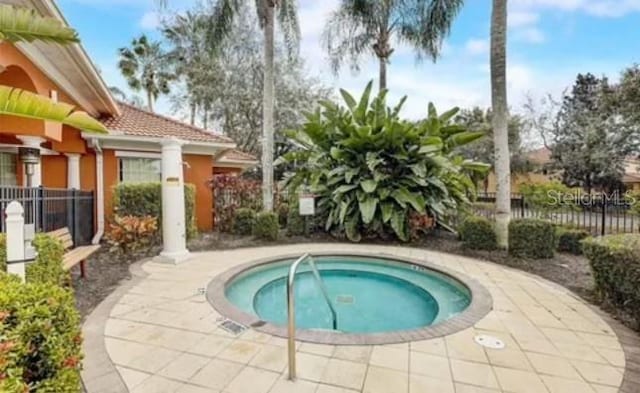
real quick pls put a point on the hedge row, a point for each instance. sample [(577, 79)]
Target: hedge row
[(615, 263), (145, 200), (532, 238), (40, 346), (262, 225), (570, 240), (478, 233)]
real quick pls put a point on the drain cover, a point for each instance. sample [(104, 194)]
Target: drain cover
[(489, 341), (345, 299), (232, 327)]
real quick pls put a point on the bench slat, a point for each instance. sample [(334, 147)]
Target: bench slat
[(78, 255)]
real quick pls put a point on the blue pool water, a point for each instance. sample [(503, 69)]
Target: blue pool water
[(369, 295)]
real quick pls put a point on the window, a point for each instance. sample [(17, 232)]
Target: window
[(139, 170), (8, 175)]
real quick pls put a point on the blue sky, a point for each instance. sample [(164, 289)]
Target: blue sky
[(550, 41)]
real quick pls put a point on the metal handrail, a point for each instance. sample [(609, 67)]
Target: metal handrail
[(291, 311)]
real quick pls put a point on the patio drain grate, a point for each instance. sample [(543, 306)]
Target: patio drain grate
[(232, 327), (489, 341)]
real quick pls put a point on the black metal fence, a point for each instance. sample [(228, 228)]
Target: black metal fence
[(599, 214), (50, 209)]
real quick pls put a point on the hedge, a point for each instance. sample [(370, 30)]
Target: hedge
[(41, 340), (531, 238), (266, 226), (47, 268), (145, 199), (615, 263), (570, 240), (244, 221), (478, 233)]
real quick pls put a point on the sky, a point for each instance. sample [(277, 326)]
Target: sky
[(549, 43)]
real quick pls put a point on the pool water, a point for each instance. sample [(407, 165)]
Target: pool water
[(370, 295)]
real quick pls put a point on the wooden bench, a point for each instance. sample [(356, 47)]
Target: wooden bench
[(73, 256)]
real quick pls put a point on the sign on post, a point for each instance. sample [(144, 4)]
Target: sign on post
[(307, 204)]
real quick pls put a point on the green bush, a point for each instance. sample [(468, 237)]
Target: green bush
[(615, 263), (531, 238), (478, 233), (570, 240), (145, 199), (266, 226), (283, 214), (47, 268), (244, 221), (40, 340), (371, 170), (295, 222)]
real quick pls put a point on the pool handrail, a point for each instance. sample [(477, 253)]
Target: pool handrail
[(291, 312)]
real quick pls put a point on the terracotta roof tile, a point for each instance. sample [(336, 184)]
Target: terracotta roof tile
[(238, 155), (139, 122)]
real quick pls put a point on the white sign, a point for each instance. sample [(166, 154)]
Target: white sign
[(307, 205)]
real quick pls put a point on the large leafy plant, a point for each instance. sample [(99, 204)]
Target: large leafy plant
[(371, 170)]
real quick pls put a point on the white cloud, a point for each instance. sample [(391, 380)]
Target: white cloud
[(476, 46), (150, 20), (522, 18), (599, 8), (531, 35)]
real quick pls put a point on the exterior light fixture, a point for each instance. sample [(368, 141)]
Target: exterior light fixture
[(30, 157)]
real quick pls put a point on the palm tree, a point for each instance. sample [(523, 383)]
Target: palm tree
[(224, 13), (145, 67), (21, 24), (500, 119), (370, 27)]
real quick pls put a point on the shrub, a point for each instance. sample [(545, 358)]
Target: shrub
[(570, 240), (531, 238), (231, 193), (615, 263), (145, 199), (283, 214), (296, 224), (548, 197), (266, 226), (40, 348), (48, 267), (244, 221), (371, 170), (131, 233), (420, 224), (478, 233)]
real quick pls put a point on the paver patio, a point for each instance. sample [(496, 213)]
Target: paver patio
[(163, 336)]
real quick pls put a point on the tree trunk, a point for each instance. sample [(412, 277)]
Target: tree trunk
[(500, 120), (193, 114), (383, 73), (267, 111), (150, 101)]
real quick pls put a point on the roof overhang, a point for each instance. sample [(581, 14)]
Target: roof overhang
[(68, 66), (117, 141), (228, 163)]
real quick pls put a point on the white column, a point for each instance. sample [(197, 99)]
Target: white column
[(15, 239), (73, 170), (174, 238), (33, 142)]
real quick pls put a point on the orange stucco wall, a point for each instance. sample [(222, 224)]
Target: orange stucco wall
[(198, 172)]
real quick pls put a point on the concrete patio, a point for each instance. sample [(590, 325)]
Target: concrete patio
[(159, 334)]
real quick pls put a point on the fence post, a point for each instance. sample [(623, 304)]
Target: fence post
[(40, 216), (74, 216), (604, 216), (15, 239), (521, 206)]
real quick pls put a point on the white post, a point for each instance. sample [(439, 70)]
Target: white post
[(174, 237), (15, 239), (73, 170)]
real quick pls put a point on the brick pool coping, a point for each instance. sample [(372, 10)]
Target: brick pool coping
[(481, 304)]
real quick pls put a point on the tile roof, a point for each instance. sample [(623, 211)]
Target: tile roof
[(139, 122), (238, 155)]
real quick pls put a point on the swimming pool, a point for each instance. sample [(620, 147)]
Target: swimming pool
[(370, 294)]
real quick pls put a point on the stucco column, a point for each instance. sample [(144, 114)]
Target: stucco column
[(174, 237), (33, 142), (73, 170)]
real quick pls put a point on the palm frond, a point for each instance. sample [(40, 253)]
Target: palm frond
[(288, 19), (221, 23), (22, 24), (21, 103)]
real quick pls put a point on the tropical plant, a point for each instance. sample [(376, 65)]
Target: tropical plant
[(370, 170), (499, 119), (145, 66), (369, 27), (21, 24), (225, 12)]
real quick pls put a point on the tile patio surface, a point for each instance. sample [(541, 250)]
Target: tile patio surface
[(162, 336)]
